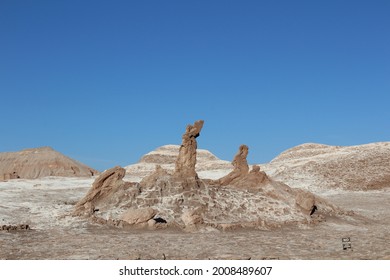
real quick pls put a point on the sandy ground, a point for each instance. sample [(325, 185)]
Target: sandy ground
[(45, 204)]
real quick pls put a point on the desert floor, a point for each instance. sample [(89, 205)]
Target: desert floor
[(45, 204)]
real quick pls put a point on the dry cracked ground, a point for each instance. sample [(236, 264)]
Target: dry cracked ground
[(45, 204)]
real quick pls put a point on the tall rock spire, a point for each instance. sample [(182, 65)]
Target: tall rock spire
[(186, 161)]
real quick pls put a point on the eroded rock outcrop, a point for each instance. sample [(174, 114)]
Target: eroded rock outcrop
[(241, 199), (241, 167), (240, 176), (186, 161), (254, 179), (106, 189)]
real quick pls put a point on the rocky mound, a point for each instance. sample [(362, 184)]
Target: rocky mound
[(40, 162), (315, 166), (242, 198)]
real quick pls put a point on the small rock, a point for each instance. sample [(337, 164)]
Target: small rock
[(305, 200), (191, 217), (138, 216)]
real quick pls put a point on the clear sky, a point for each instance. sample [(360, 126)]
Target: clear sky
[(105, 82)]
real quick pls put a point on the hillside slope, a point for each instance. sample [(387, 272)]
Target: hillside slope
[(41, 162), (312, 166)]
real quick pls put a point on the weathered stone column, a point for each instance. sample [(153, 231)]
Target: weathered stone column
[(186, 161), (240, 164)]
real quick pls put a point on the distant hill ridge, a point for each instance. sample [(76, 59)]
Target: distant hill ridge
[(40, 162), (166, 156), (308, 166), (360, 167)]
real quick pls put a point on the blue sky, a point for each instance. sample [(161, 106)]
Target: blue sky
[(108, 81)]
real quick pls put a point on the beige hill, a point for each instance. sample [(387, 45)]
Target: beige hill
[(316, 166), (40, 162)]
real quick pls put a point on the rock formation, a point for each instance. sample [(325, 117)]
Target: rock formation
[(240, 176), (240, 199), (241, 167), (106, 189), (40, 162), (254, 179), (186, 161)]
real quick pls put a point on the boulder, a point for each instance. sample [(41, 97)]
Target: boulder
[(305, 199), (138, 216)]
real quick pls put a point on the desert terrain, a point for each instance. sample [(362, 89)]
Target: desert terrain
[(45, 204), (361, 232)]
